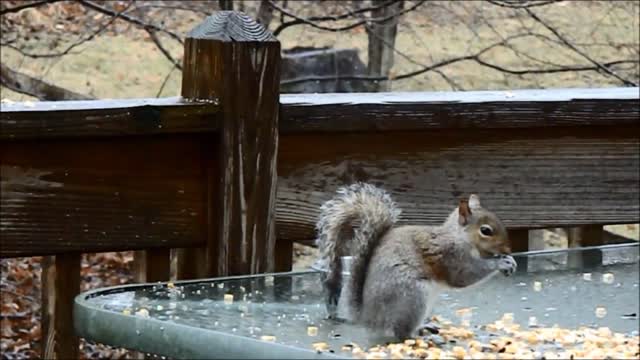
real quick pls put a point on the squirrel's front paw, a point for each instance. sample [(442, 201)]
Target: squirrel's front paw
[(507, 265)]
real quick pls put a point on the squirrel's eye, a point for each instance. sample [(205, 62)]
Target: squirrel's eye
[(486, 230)]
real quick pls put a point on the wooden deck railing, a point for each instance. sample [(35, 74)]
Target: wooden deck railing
[(232, 172)]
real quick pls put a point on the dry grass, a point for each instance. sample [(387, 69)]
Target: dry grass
[(128, 65)]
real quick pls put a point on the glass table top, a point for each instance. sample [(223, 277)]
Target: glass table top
[(283, 315)]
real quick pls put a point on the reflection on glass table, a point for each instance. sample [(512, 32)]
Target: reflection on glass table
[(283, 315)]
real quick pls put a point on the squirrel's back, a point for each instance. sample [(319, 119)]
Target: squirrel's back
[(397, 271), (352, 223)]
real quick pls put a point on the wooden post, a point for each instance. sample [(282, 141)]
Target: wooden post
[(232, 59), (225, 4), (588, 235), (284, 255), (191, 264), (152, 265), (519, 243), (60, 285)]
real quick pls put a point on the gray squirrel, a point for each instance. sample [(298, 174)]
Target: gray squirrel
[(397, 271)]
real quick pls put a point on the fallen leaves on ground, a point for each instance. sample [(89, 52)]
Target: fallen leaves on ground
[(20, 290)]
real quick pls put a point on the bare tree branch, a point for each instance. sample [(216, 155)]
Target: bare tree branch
[(174, 7), (163, 50), (25, 84), (452, 61), (77, 43), (26, 6), (343, 28), (475, 58), (522, 4), (164, 82), (133, 20), (517, 51), (552, 70), (598, 65), (346, 15)]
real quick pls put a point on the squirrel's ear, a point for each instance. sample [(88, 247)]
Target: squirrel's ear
[(464, 212), (474, 201)]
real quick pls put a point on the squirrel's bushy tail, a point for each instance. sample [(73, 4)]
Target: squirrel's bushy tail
[(353, 221)]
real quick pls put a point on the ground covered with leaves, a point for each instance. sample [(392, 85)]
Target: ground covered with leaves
[(21, 289)]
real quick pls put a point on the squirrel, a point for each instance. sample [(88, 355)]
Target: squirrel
[(397, 271)]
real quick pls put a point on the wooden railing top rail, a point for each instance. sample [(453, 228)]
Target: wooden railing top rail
[(339, 112), (86, 118)]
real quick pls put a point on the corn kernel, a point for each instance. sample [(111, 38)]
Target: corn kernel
[(312, 331), (459, 352), (511, 349), (320, 346), (409, 342), (607, 278), (507, 318), (604, 331), (537, 286), (376, 355), (143, 312), (228, 299)]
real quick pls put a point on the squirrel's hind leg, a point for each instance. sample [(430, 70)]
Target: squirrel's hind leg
[(397, 313)]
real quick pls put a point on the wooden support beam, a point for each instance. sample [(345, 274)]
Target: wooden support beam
[(520, 243), (582, 236), (233, 60), (60, 285), (191, 263), (152, 265), (284, 255), (225, 4)]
